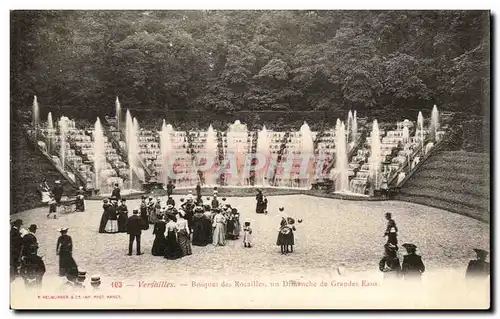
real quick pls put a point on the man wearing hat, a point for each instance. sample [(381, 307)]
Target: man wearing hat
[(16, 244), (198, 191), (30, 243), (391, 231), (412, 266), (116, 192), (82, 275), (478, 268), (134, 229), (390, 264), (95, 282), (57, 191)]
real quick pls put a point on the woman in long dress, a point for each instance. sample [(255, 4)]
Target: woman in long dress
[(158, 248), (122, 217), (104, 218), (281, 241), (183, 234), (219, 238), (64, 249), (172, 248), (200, 237)]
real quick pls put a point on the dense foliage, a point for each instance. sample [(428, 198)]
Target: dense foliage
[(224, 62)]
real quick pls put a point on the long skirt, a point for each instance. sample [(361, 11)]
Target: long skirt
[(218, 237), (184, 242), (67, 265), (172, 248), (200, 237), (285, 239), (158, 248), (122, 223), (104, 221), (236, 229), (145, 222), (112, 226), (229, 229)]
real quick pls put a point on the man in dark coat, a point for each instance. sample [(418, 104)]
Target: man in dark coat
[(170, 188), (260, 200), (391, 230), (478, 268), (16, 245), (57, 191), (389, 264), (32, 270), (134, 229), (30, 243), (116, 192), (412, 266)]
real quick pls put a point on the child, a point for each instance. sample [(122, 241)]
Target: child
[(52, 207), (247, 235)]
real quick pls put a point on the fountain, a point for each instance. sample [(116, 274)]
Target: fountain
[(132, 146), (341, 162), (406, 134), (63, 130), (118, 113), (35, 114), (354, 132), (349, 126), (419, 133), (211, 157), (265, 155), (306, 154), (237, 135), (434, 122), (50, 132), (375, 155), (99, 153), (166, 151)]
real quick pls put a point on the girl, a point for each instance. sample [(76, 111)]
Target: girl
[(247, 234)]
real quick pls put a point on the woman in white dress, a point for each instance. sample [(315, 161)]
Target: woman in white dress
[(219, 237)]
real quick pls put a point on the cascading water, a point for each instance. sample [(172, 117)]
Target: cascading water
[(132, 147), (99, 153), (166, 151), (307, 152), (118, 113), (375, 155), (434, 122), (35, 111), (354, 133), (419, 134), (50, 132), (237, 135), (341, 163), (211, 154), (63, 130), (349, 126), (263, 149), (406, 134)]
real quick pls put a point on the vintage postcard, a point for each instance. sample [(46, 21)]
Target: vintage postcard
[(251, 159)]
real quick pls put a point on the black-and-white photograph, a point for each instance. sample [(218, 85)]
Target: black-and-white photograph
[(250, 159)]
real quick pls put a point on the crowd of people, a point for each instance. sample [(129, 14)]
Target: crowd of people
[(25, 262), (197, 222), (412, 266)]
